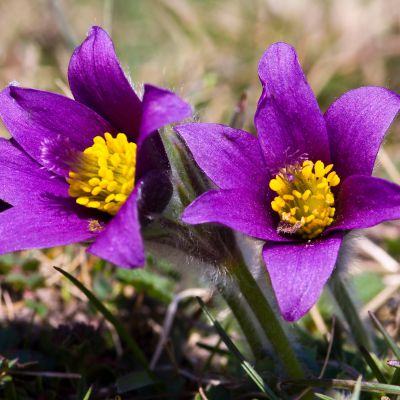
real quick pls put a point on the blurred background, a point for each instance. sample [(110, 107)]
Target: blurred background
[(207, 51)]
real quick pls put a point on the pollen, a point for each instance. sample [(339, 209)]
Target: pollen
[(305, 201), (103, 175)]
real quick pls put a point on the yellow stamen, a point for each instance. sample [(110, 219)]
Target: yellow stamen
[(104, 174), (305, 202)]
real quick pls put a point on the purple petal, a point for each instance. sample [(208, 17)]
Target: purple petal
[(22, 179), (356, 123), (299, 271), (230, 157), (240, 209), (151, 156), (121, 242), (47, 125), (42, 223), (98, 81), (161, 107), (155, 192), (288, 120), (365, 201)]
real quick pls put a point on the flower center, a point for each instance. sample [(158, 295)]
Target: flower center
[(305, 202), (103, 175)]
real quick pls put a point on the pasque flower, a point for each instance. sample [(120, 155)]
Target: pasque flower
[(92, 168), (303, 182)]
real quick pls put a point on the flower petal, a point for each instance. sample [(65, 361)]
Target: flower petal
[(366, 201), (240, 209), (22, 179), (356, 123), (288, 119), (161, 107), (42, 223), (121, 241), (46, 124), (299, 271), (98, 81), (230, 157), (151, 156), (155, 192)]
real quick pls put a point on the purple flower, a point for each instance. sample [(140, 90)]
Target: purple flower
[(303, 182), (89, 168)]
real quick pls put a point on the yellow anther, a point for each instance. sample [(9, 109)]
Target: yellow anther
[(304, 198), (333, 179), (319, 169), (328, 168), (275, 185), (93, 204), (310, 218), (306, 194), (288, 197), (94, 181), (82, 200), (120, 197), (110, 198), (99, 140), (104, 175), (297, 193), (96, 190), (307, 171), (275, 206)]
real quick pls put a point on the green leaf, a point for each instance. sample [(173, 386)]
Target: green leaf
[(389, 341), (102, 286), (38, 308), (122, 332), (153, 285), (367, 285), (249, 370), (20, 281), (133, 381)]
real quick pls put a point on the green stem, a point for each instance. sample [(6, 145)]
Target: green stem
[(246, 323), (270, 323), (340, 291)]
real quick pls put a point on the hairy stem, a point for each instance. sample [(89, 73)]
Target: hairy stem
[(246, 323), (269, 321), (341, 292)]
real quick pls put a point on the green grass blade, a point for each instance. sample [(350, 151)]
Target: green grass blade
[(323, 396), (250, 371), (122, 332), (372, 364), (357, 390), (88, 393), (395, 377), (389, 341), (370, 387)]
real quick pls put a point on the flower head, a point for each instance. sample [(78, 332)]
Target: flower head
[(89, 168), (303, 182)]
